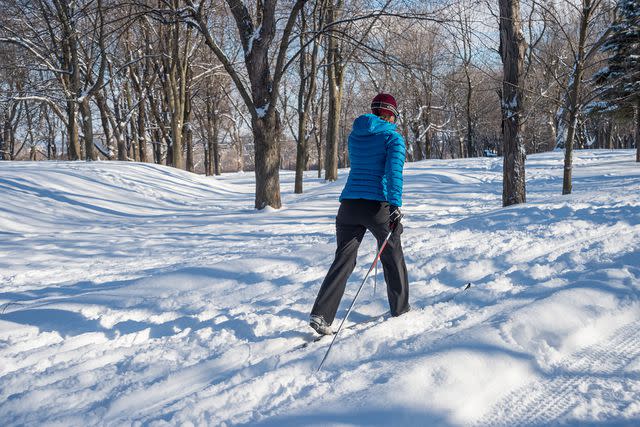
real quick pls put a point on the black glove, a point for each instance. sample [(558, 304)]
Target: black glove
[(395, 215)]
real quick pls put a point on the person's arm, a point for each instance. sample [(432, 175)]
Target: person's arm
[(396, 153)]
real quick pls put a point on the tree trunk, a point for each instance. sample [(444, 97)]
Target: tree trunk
[(343, 146), (72, 131), (188, 132), (239, 155), (51, 138), (104, 119), (512, 49), (415, 129), (4, 138), (188, 139), (574, 93), (51, 149), (335, 75), (186, 101), (427, 133), (208, 155), (267, 161), (319, 136), (11, 142), (175, 87), (142, 131), (132, 129), (71, 63), (118, 133), (470, 142), (177, 159), (305, 94), (217, 167), (207, 160), (157, 146), (212, 155), (301, 152), (404, 126), (427, 145), (637, 132), (333, 129), (553, 132), (87, 129), (161, 136), (169, 155), (301, 140)]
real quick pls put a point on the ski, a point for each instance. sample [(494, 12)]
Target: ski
[(368, 320), (374, 319), (452, 297), (306, 344)]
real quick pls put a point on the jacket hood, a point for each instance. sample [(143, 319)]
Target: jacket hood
[(369, 124)]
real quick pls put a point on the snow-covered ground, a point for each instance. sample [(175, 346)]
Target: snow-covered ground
[(140, 294)]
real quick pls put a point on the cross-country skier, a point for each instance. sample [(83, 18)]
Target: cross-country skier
[(370, 200)]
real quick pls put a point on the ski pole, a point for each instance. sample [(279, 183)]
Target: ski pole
[(375, 280), (375, 261)]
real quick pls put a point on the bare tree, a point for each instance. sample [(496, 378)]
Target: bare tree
[(11, 110), (335, 79), (90, 52), (572, 99), (140, 57), (512, 50), (68, 41), (58, 52), (337, 60), (257, 34), (175, 76), (216, 97), (308, 68), (210, 116), (461, 33)]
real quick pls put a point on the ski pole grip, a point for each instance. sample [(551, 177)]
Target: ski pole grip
[(396, 221)]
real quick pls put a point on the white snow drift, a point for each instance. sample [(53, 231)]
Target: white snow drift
[(140, 294)]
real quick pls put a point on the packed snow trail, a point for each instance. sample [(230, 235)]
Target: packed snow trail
[(135, 293), (593, 382)]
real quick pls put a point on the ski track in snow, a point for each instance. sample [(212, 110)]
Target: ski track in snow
[(591, 383), (138, 294)]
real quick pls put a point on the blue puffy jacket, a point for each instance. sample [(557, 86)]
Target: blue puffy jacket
[(376, 153)]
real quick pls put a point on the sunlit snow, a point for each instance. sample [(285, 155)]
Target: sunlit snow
[(140, 294)]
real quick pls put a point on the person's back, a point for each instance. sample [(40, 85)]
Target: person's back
[(376, 154)]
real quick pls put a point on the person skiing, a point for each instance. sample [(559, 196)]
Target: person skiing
[(370, 200)]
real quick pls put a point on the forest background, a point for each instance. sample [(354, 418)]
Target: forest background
[(217, 86)]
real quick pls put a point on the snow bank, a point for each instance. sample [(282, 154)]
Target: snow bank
[(139, 294)]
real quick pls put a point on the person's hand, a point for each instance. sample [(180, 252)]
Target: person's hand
[(395, 215)]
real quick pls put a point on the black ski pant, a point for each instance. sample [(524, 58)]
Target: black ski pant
[(354, 218)]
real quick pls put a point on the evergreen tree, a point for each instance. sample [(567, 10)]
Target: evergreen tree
[(620, 79)]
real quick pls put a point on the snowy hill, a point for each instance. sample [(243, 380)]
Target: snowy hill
[(140, 294)]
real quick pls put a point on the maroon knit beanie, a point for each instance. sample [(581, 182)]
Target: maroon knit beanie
[(384, 103)]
